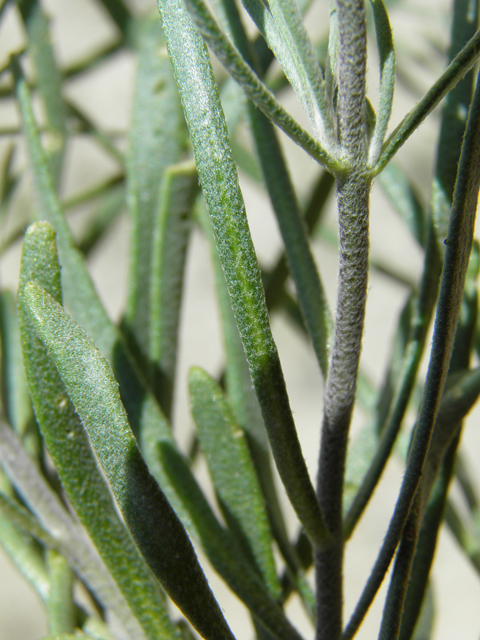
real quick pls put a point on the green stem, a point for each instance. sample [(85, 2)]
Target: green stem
[(353, 198)]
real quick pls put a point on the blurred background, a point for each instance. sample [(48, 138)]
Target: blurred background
[(104, 95)]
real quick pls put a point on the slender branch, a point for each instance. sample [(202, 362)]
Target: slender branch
[(352, 196)]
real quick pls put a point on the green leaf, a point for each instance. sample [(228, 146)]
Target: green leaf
[(107, 212), (146, 418), (453, 123), (48, 79), (387, 78), (70, 450), (233, 474), (253, 86), (68, 537), (15, 398), (151, 520), (225, 555), (157, 138), (169, 242), (462, 391), (219, 181), (22, 549), (60, 606), (280, 23)]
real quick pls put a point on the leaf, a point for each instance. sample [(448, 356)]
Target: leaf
[(70, 449), (150, 518), (23, 550), (60, 606), (48, 80), (68, 537), (453, 122), (169, 242), (157, 139), (253, 86), (219, 181), (15, 398), (280, 23), (233, 474), (387, 78), (225, 555)]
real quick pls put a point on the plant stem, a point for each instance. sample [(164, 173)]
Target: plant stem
[(353, 189)]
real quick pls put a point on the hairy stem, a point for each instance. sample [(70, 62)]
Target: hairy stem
[(353, 189)]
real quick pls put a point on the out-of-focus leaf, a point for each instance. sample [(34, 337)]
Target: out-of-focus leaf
[(151, 520), (233, 474), (60, 606), (48, 81), (169, 243), (105, 215), (22, 549), (15, 398), (454, 120), (157, 138)]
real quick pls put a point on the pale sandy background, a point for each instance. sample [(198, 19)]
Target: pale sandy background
[(79, 25)]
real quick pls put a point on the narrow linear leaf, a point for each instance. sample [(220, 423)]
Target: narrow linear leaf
[(105, 215), (22, 549), (233, 474), (60, 606), (169, 243), (463, 389), (244, 403), (48, 80), (280, 23), (387, 78), (219, 181), (70, 449), (454, 118), (229, 56), (15, 399), (148, 515), (157, 138)]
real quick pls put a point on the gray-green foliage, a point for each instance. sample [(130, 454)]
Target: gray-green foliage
[(93, 486)]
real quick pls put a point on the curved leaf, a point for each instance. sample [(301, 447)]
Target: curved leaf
[(70, 450), (151, 520)]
